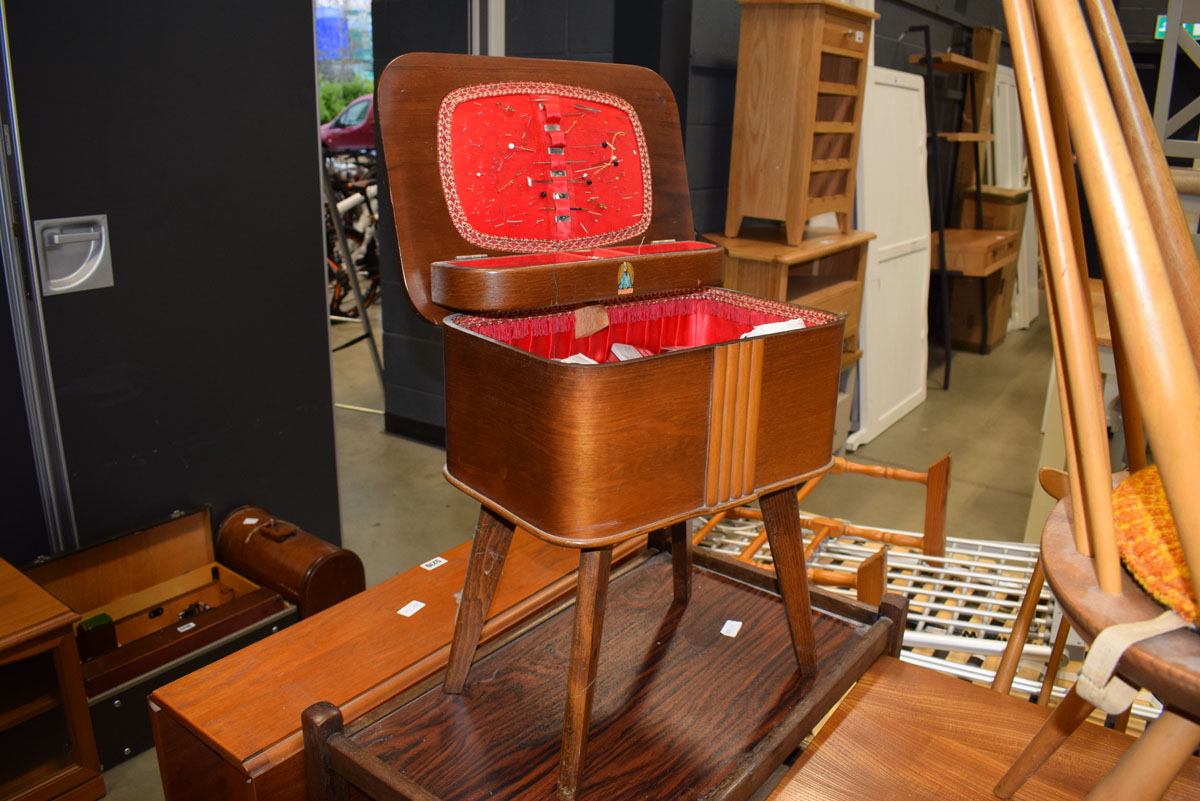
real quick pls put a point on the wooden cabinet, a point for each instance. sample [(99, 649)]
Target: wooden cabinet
[(981, 267), (45, 733), (801, 72), (824, 271)]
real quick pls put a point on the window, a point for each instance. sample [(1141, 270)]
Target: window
[(354, 114)]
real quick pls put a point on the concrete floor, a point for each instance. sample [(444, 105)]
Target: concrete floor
[(398, 510)]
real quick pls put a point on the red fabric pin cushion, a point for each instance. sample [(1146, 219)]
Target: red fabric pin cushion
[(1149, 543)]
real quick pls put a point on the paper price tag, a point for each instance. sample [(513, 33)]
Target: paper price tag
[(731, 628), (185, 627), (436, 561), (410, 608), (249, 521)]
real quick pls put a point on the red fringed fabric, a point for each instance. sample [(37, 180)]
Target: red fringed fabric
[(530, 166), (657, 323)]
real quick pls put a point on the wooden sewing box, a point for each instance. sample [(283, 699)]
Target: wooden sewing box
[(526, 205)]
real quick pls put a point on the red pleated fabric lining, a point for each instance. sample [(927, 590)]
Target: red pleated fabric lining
[(658, 323)]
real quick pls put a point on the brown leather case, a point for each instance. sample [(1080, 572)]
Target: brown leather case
[(304, 569)]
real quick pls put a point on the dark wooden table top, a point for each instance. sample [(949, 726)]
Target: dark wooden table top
[(681, 710)]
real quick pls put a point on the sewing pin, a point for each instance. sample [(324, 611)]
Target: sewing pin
[(585, 108)]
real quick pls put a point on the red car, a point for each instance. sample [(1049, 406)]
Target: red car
[(353, 128)]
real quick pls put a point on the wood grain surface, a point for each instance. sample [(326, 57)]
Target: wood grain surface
[(678, 706), (906, 732), (478, 288), (410, 92), (1168, 665), (28, 610), (764, 244), (588, 455), (88, 579), (800, 78), (242, 709), (168, 642), (34, 625), (976, 253), (489, 547)]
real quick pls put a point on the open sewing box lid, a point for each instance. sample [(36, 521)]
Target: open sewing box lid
[(569, 175)]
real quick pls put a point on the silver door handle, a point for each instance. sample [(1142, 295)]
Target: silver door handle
[(69, 239)]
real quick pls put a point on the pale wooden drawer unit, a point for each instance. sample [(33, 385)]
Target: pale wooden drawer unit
[(801, 73), (825, 271)]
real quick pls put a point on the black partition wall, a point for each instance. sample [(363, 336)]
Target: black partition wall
[(202, 375)]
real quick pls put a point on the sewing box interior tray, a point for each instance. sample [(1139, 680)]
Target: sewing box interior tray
[(695, 700), (539, 220)]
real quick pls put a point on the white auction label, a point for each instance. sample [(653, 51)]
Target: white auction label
[(731, 628), (410, 608), (185, 627), (436, 561), (249, 521)]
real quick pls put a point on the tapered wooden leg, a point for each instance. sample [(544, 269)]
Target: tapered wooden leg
[(1006, 671), (1147, 769), (1121, 722), (1060, 645), (318, 723), (1065, 719), (681, 562), (781, 519), (594, 564), (492, 537)]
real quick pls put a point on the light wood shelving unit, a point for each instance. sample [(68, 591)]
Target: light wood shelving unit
[(795, 139)]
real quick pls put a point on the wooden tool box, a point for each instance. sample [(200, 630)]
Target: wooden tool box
[(153, 605)]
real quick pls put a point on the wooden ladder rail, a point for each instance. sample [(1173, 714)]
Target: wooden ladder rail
[(870, 578)]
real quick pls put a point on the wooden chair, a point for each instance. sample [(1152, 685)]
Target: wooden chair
[(907, 732), (1152, 278), (869, 580)]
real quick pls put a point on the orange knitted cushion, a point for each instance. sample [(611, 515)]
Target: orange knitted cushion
[(1149, 543)]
